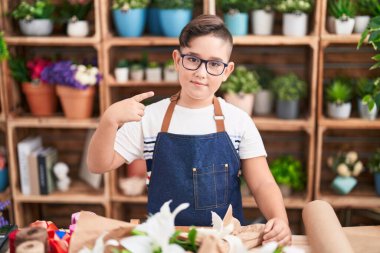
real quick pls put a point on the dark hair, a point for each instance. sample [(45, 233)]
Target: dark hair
[(204, 25)]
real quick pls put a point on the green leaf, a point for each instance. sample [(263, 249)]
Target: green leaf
[(377, 65), (362, 38)]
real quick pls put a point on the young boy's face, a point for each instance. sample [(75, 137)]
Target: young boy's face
[(199, 86)]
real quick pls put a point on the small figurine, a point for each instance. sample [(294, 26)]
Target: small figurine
[(60, 171)]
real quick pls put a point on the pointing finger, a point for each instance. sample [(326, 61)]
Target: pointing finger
[(142, 96)]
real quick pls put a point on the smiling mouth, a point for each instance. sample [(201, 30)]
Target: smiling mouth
[(198, 83)]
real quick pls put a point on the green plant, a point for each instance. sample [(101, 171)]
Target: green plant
[(136, 66), (125, 5), (18, 69), (289, 87), (4, 53), (41, 9), (374, 162), (122, 64), (290, 6), (234, 6), (265, 77), (74, 11), (369, 92), (174, 4), (267, 5), (169, 63), (373, 34), (341, 9), (241, 80), (288, 171), (339, 91), (153, 64), (367, 7)]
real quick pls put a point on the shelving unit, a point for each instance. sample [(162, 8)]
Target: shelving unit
[(338, 56)]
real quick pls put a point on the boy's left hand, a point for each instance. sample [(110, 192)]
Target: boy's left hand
[(277, 230)]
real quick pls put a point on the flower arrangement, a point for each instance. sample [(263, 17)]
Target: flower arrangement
[(348, 166), (291, 6), (3, 206), (74, 10), (35, 67), (69, 74)]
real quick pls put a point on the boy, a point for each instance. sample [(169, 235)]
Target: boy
[(194, 143)]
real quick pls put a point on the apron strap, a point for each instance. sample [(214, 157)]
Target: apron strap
[(218, 115)]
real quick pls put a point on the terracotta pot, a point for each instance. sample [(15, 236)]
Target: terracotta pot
[(77, 104), (41, 98)]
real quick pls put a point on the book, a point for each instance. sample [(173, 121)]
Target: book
[(33, 171), (92, 179), (46, 161), (24, 148)]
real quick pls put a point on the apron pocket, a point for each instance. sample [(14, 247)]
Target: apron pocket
[(210, 186)]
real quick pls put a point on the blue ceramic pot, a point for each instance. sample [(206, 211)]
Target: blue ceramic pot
[(3, 179), (237, 23), (130, 23), (174, 20), (154, 24)]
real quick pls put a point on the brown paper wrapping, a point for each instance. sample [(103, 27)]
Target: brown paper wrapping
[(323, 229)]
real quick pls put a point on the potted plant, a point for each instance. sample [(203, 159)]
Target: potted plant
[(121, 71), (348, 166), (262, 16), (75, 12), (174, 15), (368, 92), (75, 87), (344, 12), (374, 167), (264, 97), (288, 173), (4, 53), (289, 89), (240, 88), (235, 16), (339, 95), (35, 19), (129, 17), (137, 71), (364, 10), (295, 16), (170, 73), (154, 25), (153, 72)]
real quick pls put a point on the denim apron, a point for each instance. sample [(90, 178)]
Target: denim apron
[(202, 170)]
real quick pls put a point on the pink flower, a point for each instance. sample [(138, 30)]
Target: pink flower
[(36, 66)]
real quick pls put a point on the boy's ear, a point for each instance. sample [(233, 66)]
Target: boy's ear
[(229, 69), (176, 58)]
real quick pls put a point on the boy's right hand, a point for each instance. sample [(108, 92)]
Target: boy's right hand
[(127, 110)]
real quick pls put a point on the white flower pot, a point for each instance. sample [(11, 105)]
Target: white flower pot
[(341, 111), (137, 74), (121, 74), (361, 23), (263, 102), (170, 75), (294, 24), (153, 74), (365, 113), (241, 100), (331, 24), (344, 27), (78, 28), (262, 22), (36, 27)]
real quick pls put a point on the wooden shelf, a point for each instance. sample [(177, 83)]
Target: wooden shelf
[(276, 124), (143, 41), (52, 41), (79, 192), (351, 123), (51, 122), (340, 39), (274, 40), (358, 198)]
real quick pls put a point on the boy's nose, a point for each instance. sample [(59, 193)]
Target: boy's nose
[(201, 71)]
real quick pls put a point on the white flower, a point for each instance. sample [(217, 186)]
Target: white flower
[(351, 157), (159, 228), (358, 168), (98, 247), (343, 170), (86, 75)]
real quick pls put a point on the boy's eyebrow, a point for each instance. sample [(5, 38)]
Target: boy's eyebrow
[(211, 58)]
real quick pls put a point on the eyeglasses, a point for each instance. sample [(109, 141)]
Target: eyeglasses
[(213, 67)]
